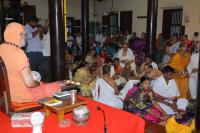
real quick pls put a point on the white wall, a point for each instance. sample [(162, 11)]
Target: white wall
[(42, 9), (190, 9), (137, 6), (166, 4), (73, 8)]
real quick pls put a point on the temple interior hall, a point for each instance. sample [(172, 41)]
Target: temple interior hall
[(93, 66)]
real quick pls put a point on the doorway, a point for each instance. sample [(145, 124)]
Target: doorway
[(172, 23), (126, 21)]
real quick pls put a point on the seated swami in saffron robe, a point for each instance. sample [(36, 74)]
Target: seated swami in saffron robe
[(179, 62), (23, 87)]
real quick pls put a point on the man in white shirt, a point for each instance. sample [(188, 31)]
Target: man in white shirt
[(192, 69), (148, 61), (34, 45), (103, 38), (98, 37), (70, 40), (125, 56), (46, 50), (166, 91), (79, 42)]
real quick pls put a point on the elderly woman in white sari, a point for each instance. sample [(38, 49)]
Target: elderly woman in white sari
[(105, 90), (125, 56)]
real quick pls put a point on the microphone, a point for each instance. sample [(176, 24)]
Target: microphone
[(104, 117)]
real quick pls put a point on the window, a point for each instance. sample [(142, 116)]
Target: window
[(172, 22)]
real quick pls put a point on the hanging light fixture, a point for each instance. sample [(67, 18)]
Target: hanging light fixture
[(112, 7), (22, 3), (95, 9)]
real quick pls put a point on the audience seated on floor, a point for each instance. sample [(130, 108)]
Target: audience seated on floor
[(132, 80), (86, 76), (151, 72), (23, 87), (172, 46), (148, 61), (125, 55), (106, 91), (117, 67), (140, 100), (167, 93)]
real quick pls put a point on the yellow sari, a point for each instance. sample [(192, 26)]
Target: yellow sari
[(179, 64)]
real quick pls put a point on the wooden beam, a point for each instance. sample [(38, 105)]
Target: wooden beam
[(85, 26), (58, 58), (197, 118), (151, 30)]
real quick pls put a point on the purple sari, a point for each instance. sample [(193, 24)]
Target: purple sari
[(138, 46)]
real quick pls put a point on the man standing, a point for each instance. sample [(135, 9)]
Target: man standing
[(79, 42), (192, 69), (46, 50), (34, 45)]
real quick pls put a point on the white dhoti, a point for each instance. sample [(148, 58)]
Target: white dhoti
[(181, 105), (193, 80), (104, 93)]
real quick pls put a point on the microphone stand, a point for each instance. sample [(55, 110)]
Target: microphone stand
[(104, 117)]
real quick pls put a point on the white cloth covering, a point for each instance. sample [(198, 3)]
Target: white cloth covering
[(193, 80), (112, 71), (46, 45), (70, 40), (105, 94), (129, 56), (127, 87), (154, 65), (79, 41)]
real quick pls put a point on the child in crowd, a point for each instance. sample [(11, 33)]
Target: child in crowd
[(117, 66)]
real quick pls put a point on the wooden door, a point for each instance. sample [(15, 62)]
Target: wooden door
[(172, 22), (126, 21)]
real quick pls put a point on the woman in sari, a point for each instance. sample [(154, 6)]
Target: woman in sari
[(179, 62), (139, 100), (23, 87)]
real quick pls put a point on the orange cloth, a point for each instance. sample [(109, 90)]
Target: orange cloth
[(179, 64), (118, 121), (23, 106), (15, 60), (117, 68)]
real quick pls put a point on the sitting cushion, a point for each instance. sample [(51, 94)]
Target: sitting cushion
[(24, 106)]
